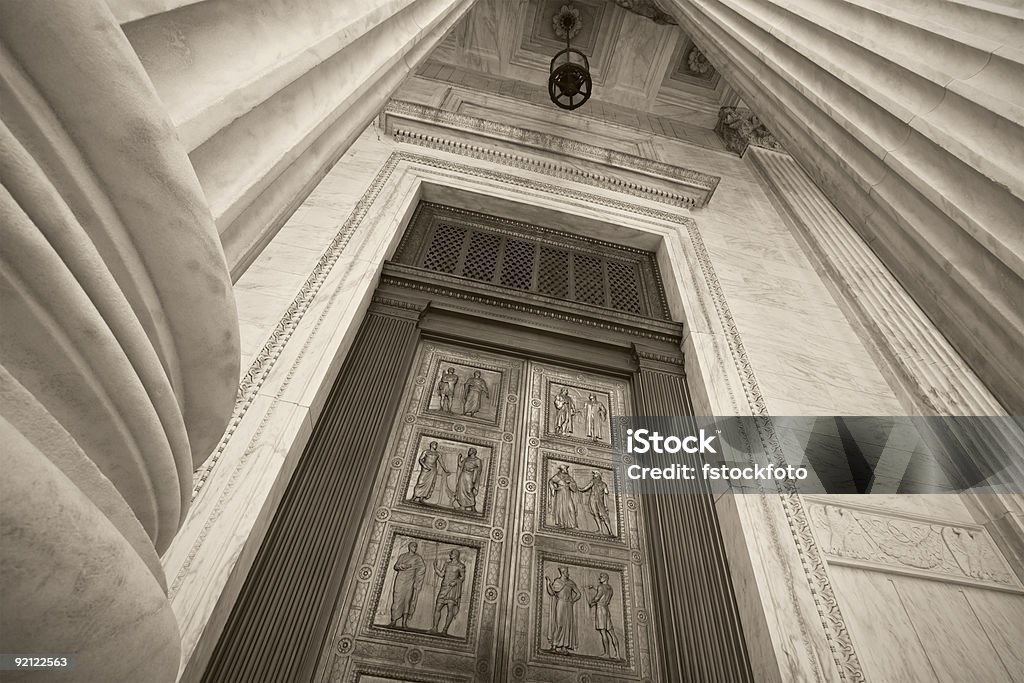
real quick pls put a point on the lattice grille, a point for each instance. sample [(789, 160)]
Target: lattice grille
[(553, 278), (482, 256), (589, 279), (517, 265), (624, 286), (443, 254), (528, 258)]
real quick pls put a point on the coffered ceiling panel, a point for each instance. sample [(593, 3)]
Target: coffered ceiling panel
[(635, 62)]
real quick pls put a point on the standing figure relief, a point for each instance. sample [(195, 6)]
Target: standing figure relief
[(467, 480), (474, 394), (563, 486), (409, 572), (563, 635), (446, 388), (449, 594), (431, 465), (600, 602)]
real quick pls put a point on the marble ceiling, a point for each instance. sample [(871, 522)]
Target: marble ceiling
[(636, 62)]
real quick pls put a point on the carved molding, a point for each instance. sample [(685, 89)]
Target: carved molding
[(701, 186), (739, 128), (925, 547)]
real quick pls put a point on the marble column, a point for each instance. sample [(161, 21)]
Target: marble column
[(927, 373), (119, 354), (267, 101), (910, 117)]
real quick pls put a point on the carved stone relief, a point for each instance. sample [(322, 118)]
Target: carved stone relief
[(580, 579), (955, 551)]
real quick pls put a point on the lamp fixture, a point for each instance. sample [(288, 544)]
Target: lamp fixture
[(569, 82)]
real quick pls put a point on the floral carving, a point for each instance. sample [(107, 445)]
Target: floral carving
[(697, 63)]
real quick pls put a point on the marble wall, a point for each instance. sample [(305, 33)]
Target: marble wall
[(765, 334)]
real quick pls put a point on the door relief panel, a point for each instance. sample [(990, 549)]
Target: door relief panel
[(582, 587), (501, 545), (580, 497), (469, 391), (454, 476)]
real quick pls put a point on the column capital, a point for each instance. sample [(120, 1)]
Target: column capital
[(739, 128)]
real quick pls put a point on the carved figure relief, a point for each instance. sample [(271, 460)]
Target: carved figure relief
[(563, 505), (601, 601), (405, 589), (452, 574), (426, 587), (579, 413), (449, 474), (595, 417), (464, 391), (956, 551), (580, 497), (562, 633), (582, 611)]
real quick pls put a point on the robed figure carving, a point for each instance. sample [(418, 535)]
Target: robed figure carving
[(446, 388), (449, 594), (563, 507), (600, 602), (409, 572), (565, 411), (474, 392), (595, 416), (467, 481), (431, 465), (562, 631)]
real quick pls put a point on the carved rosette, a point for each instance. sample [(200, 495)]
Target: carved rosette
[(740, 128)]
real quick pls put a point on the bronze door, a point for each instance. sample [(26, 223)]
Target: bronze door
[(501, 543)]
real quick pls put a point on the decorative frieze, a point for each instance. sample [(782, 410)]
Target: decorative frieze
[(930, 549), (695, 187)]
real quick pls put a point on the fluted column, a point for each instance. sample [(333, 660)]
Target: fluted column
[(929, 374), (119, 352), (266, 101), (909, 116)]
